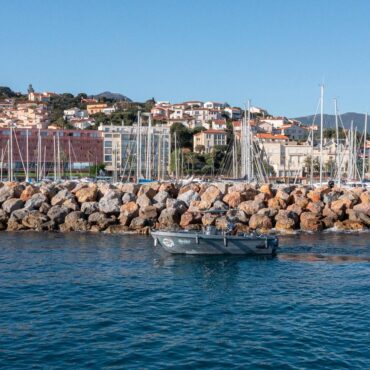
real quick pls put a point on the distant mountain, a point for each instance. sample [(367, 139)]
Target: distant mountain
[(329, 120), (113, 96)]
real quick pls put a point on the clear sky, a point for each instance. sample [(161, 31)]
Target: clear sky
[(275, 52)]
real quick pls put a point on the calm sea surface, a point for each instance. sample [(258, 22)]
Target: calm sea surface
[(94, 301)]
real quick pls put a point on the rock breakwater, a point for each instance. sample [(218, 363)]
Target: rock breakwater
[(103, 207)]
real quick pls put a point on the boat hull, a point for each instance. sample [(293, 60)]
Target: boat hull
[(191, 243)]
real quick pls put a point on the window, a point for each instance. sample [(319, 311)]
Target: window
[(107, 144), (108, 135), (108, 158), (77, 134)]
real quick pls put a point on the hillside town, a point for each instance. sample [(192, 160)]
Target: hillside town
[(160, 140)]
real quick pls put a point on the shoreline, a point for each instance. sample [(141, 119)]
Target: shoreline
[(128, 208)]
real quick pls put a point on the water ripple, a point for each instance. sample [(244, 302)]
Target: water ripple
[(82, 301)]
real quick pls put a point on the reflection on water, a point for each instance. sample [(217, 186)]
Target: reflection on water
[(99, 301)]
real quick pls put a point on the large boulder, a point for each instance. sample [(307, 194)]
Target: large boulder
[(315, 207), (89, 207), (270, 212), (314, 195), (138, 223), (34, 220), (149, 190), (128, 197), (251, 207), (349, 225), (190, 218), (234, 198), (169, 217), (12, 205), (35, 201), (237, 216), (144, 201), (210, 195), (161, 197), (149, 213), (111, 202), (75, 221), (340, 205), (88, 194), (179, 205), (28, 192), (266, 189), (129, 188), (209, 219), (260, 222), (57, 214), (170, 188), (5, 194), (129, 211), (286, 221), (311, 222), (363, 207), (61, 197), (295, 208), (365, 197), (100, 220), (188, 196)]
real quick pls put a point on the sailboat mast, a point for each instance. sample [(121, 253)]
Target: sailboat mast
[(11, 153), (27, 159), (321, 129), (54, 157), (337, 152), (69, 158), (176, 159), (249, 146), (364, 153)]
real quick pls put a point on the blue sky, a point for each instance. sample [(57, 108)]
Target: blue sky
[(275, 52)]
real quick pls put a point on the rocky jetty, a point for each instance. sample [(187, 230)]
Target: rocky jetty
[(103, 207)]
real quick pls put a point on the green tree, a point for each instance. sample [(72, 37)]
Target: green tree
[(184, 136)]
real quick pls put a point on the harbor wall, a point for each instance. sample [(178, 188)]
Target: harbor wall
[(126, 207)]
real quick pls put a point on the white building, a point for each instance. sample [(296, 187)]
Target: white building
[(234, 113), (215, 105), (130, 155), (294, 132), (276, 122)]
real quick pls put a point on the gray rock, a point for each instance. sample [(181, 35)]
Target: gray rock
[(12, 205), (5, 193), (128, 197), (179, 205), (188, 196), (35, 201), (101, 220), (169, 217), (219, 205), (3, 217), (143, 201), (89, 207), (138, 223), (110, 206), (161, 197), (57, 214), (44, 208), (61, 197), (19, 214), (34, 220)]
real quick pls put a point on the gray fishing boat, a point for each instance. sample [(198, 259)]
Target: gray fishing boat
[(212, 241)]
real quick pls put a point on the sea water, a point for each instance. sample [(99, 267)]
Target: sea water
[(71, 301)]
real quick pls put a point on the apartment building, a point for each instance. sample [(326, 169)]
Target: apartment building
[(205, 141), (132, 151)]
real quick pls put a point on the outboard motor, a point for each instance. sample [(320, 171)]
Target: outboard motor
[(331, 184)]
